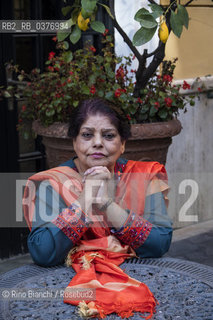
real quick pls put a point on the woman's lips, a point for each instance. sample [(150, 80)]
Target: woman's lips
[(97, 155)]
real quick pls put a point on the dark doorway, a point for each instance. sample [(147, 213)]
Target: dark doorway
[(29, 50)]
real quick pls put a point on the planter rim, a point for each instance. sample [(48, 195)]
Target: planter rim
[(140, 131)]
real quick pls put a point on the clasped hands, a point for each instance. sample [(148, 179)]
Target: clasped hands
[(99, 186)]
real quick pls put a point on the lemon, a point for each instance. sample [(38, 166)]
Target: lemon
[(163, 32), (83, 23)]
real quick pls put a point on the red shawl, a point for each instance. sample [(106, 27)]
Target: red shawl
[(97, 256)]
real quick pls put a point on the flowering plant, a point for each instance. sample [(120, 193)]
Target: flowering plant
[(161, 99), (72, 77)]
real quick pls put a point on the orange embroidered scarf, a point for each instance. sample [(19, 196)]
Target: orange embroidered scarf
[(96, 257)]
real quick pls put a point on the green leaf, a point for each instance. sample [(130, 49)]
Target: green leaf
[(26, 135), (7, 94), (176, 24), (152, 111), (143, 117), (109, 95), (144, 109), (20, 77), (100, 93), (139, 13), (70, 22), (108, 10), (75, 35), (183, 15), (62, 35), (68, 56), (75, 103), (132, 109), (143, 35), (50, 112), (65, 45), (147, 21), (88, 5), (92, 79), (66, 10), (85, 90), (74, 15), (98, 26), (157, 11), (163, 114)]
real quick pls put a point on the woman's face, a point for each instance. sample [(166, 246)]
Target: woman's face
[(98, 143)]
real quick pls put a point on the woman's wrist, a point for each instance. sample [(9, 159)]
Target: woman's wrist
[(116, 215), (106, 204)]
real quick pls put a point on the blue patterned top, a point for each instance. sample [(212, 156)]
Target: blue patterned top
[(55, 227)]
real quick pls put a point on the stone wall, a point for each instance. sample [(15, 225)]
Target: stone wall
[(190, 164)]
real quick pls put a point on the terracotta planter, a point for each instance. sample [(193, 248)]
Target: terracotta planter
[(149, 141)]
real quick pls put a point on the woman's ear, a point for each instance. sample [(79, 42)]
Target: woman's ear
[(123, 146)]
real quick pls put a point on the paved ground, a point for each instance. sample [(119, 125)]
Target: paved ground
[(194, 243)]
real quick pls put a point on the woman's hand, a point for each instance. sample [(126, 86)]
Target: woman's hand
[(98, 182)]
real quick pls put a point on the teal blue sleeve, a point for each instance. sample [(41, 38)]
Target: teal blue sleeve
[(47, 244), (159, 239)]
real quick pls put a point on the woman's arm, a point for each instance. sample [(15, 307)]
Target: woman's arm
[(53, 232), (150, 235)]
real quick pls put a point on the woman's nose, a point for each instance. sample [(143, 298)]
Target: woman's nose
[(97, 140)]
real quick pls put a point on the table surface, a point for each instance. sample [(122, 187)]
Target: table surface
[(183, 289)]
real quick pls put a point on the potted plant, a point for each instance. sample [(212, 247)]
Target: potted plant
[(142, 95)]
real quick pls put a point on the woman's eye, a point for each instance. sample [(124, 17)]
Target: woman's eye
[(109, 136), (86, 135)]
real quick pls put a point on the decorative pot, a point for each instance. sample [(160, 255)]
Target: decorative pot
[(149, 141)]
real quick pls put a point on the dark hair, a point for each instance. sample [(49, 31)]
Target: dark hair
[(98, 106)]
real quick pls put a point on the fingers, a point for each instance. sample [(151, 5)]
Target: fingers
[(95, 169), (100, 171)]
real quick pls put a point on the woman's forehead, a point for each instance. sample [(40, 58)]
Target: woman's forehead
[(98, 121)]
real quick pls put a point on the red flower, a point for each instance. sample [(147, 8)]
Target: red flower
[(117, 93), (128, 117), (51, 55), (158, 77), (71, 72), (139, 100), (57, 69), (28, 84), (105, 32), (120, 73), (101, 80), (167, 78), (69, 80), (133, 71), (186, 85), (50, 68), (92, 49), (157, 105), (23, 108), (168, 102), (92, 89)]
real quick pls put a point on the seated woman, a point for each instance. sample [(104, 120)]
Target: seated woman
[(104, 194)]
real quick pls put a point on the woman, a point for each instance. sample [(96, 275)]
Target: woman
[(98, 195)]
